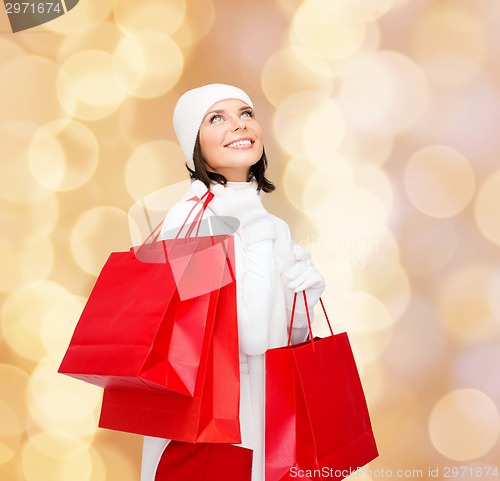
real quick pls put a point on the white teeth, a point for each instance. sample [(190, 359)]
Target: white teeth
[(239, 142)]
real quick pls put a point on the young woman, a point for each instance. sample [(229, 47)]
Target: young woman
[(223, 144)]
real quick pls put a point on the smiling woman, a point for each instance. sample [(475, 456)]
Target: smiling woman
[(223, 146)]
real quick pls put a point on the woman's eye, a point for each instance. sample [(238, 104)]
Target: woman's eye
[(215, 118), (247, 114)]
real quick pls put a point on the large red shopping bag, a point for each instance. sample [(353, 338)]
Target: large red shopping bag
[(136, 331), (317, 420), (204, 462), (211, 415)]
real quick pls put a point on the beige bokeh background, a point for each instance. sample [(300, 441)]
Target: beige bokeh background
[(382, 123)]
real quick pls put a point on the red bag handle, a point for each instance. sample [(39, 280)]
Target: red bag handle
[(196, 221), (311, 338)]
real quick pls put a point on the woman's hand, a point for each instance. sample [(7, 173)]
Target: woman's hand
[(302, 275)]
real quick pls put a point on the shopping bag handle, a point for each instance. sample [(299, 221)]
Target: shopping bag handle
[(198, 217), (155, 233), (311, 337)]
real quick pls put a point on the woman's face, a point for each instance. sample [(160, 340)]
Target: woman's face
[(231, 139)]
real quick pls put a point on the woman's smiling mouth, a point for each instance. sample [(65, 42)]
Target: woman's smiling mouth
[(241, 143)]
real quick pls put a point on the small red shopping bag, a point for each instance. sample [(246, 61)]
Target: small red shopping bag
[(136, 331), (317, 420), (212, 414), (204, 462), (202, 250), (196, 252)]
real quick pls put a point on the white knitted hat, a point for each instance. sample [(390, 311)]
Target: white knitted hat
[(191, 109)]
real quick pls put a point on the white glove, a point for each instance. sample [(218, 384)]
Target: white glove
[(302, 275)]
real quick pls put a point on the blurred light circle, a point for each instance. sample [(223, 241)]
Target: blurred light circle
[(368, 347), (10, 433), (375, 180), (487, 208), (293, 177), (484, 359), (303, 70), (296, 119), (84, 17), (28, 90), (324, 130), (464, 424), (24, 264), (57, 402), (20, 186), (392, 77), (9, 50), (493, 289), (374, 379), (9, 425), (387, 281), (363, 313), (147, 64), (152, 166), (30, 223), (338, 273), (63, 155), (369, 137), (58, 445), (415, 333), (158, 15), (37, 465), (427, 244), (343, 66), (439, 181), (401, 402), (441, 49), (18, 183), (104, 37), (353, 201), (13, 399), (329, 174), (464, 304), (354, 239), (22, 312), (147, 212), (98, 232), (327, 33), (199, 20), (59, 322), (86, 86), (354, 9)]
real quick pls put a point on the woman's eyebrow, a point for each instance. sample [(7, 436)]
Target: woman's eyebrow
[(222, 111)]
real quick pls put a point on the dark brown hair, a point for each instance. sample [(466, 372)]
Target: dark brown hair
[(201, 173)]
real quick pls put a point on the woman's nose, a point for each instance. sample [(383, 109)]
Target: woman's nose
[(239, 124)]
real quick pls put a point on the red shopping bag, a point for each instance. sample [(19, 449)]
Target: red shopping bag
[(136, 331), (317, 420), (212, 414), (204, 462)]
